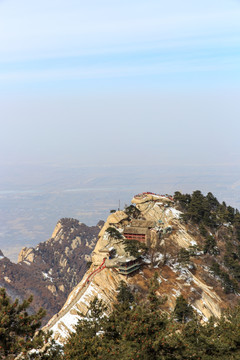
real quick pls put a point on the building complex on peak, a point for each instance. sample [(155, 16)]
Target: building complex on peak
[(147, 238)]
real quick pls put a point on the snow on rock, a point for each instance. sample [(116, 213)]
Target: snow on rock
[(173, 212), (204, 318), (183, 238), (68, 321), (46, 276), (103, 286), (193, 243), (208, 303), (176, 293), (185, 275), (64, 326), (159, 257), (146, 260)]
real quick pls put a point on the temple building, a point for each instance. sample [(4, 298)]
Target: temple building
[(128, 265), (139, 230)]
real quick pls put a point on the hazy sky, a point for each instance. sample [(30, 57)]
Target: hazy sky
[(119, 82)]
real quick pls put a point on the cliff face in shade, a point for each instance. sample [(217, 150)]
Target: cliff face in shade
[(52, 269), (165, 239)]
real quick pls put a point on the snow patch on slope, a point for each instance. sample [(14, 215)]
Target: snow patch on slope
[(173, 212), (46, 276), (68, 321)]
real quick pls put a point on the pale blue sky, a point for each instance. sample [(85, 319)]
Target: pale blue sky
[(119, 82)]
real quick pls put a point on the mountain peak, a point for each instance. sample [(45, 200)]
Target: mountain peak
[(148, 237), (51, 269)]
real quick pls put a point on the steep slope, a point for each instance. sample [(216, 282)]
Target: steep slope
[(175, 252), (52, 269)]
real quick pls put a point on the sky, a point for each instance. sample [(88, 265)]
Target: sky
[(119, 82)]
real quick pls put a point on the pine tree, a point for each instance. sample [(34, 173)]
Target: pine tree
[(196, 207), (155, 301), (132, 211), (86, 343), (18, 329), (182, 311), (184, 256), (210, 246), (114, 233), (137, 331), (135, 248), (237, 225), (124, 294)]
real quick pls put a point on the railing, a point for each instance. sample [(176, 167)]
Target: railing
[(95, 271)]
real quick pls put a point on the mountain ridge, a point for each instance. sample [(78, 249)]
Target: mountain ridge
[(177, 252), (51, 269)]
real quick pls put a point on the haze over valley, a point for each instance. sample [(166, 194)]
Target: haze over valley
[(34, 198)]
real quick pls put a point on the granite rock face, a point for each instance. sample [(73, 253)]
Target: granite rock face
[(52, 269)]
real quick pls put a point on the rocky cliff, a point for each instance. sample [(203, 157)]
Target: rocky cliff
[(175, 251), (52, 269)]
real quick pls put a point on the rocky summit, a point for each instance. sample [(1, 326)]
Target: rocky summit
[(52, 269), (160, 235)]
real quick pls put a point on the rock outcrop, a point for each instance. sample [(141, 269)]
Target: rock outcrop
[(26, 254), (52, 269)]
